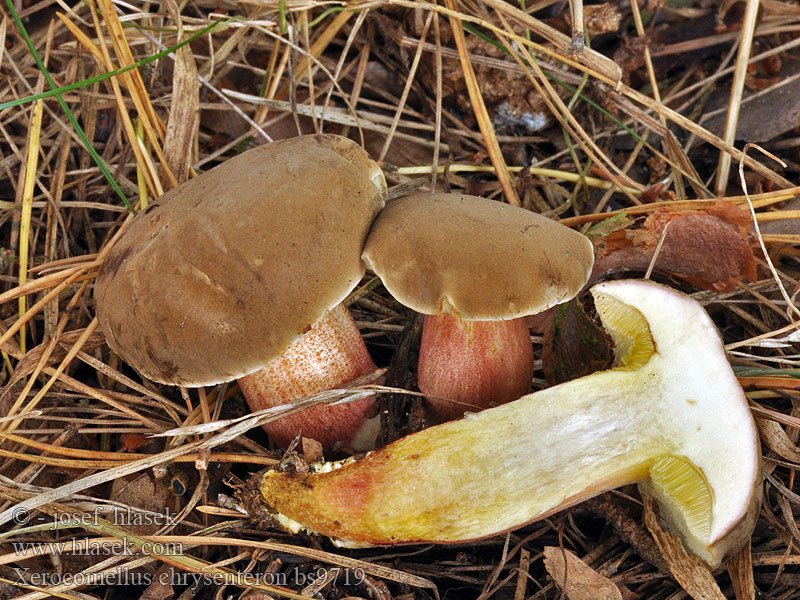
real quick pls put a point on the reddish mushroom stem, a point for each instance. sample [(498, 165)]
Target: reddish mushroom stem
[(473, 364), (329, 355)]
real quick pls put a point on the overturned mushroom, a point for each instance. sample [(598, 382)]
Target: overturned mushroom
[(231, 270), (670, 416), (474, 267)]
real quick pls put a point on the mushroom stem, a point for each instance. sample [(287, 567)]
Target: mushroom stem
[(472, 365), (671, 415), (330, 354)]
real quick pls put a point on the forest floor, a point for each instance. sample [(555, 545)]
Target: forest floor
[(636, 136)]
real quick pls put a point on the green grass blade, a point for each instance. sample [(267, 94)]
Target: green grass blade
[(110, 74), (70, 115), (58, 93), (766, 372)]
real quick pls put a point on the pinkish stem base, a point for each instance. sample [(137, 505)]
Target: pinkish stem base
[(329, 355), (473, 364)]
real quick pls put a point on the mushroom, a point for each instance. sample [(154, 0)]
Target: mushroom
[(474, 267), (670, 416), (245, 267)]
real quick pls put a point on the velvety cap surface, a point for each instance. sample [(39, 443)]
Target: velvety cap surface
[(478, 258), (226, 271)]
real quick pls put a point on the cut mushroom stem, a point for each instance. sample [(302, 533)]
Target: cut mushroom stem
[(329, 355), (473, 364), (670, 416)]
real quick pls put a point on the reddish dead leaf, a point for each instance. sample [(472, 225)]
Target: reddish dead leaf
[(652, 193), (578, 580), (730, 16), (29, 361), (753, 82), (770, 65), (731, 213), (131, 442), (708, 249)]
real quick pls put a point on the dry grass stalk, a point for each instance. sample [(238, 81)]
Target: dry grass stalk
[(745, 45), (481, 114)]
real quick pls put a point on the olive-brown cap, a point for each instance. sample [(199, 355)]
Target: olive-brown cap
[(230, 268), (478, 258)]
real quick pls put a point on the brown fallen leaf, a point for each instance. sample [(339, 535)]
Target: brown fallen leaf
[(598, 18), (143, 491), (160, 587), (765, 115), (578, 580), (708, 249), (740, 568), (312, 450), (776, 439), (783, 226), (689, 571), (619, 514)]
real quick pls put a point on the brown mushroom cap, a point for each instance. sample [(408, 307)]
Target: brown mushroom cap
[(230, 268), (478, 258)]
